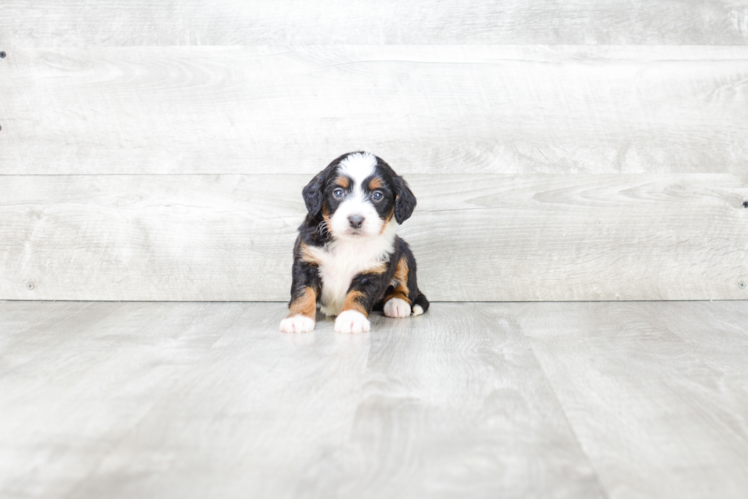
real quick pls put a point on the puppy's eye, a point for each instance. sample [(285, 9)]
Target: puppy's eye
[(338, 193), (377, 196)]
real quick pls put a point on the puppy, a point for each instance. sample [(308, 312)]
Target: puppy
[(348, 260)]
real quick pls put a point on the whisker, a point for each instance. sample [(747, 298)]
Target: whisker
[(322, 227)]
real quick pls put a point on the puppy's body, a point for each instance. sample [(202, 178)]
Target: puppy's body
[(348, 259)]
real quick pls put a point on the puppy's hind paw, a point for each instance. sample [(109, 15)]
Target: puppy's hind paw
[(396, 308), (297, 324), (352, 322)]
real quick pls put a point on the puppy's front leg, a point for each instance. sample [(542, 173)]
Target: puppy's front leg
[(302, 309), (397, 303), (361, 296)]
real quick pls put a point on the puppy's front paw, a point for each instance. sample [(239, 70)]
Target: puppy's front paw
[(351, 322), (297, 324), (397, 308)]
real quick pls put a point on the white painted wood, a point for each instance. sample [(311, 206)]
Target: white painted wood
[(656, 393), (446, 109), (161, 237), (202, 22), (210, 400), (477, 237)]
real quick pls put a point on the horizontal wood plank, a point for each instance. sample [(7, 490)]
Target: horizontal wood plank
[(424, 109), (477, 237), (41, 23)]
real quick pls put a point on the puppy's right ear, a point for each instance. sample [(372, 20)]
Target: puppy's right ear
[(313, 193)]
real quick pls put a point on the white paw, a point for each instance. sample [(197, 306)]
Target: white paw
[(417, 310), (396, 308), (351, 322), (297, 324)]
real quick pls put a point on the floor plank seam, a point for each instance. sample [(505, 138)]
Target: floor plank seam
[(573, 431)]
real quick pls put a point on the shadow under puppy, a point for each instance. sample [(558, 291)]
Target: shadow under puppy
[(347, 258)]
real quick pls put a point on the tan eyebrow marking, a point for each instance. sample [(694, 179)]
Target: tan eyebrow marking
[(342, 182), (375, 183)]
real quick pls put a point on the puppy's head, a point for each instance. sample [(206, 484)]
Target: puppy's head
[(358, 194)]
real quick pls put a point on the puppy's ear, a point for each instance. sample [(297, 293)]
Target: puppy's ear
[(313, 193), (405, 202)]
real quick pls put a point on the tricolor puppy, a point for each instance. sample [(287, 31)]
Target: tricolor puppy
[(348, 260)]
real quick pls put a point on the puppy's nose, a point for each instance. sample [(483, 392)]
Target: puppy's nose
[(356, 221)]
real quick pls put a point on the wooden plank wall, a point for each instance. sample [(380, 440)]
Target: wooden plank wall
[(585, 151)]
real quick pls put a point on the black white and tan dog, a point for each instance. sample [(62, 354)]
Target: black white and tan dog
[(348, 260)]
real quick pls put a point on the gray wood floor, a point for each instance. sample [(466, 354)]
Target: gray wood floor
[(626, 399)]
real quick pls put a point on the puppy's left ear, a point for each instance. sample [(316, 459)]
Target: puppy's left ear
[(405, 202)]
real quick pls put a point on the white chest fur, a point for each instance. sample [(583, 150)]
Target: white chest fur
[(341, 261)]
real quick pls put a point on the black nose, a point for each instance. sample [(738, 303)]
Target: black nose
[(356, 221)]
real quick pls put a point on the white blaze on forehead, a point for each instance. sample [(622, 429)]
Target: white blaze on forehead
[(358, 166)]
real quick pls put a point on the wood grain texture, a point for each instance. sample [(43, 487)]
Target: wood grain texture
[(201, 22), (210, 400), (424, 109), (75, 378), (656, 393), (478, 237), (469, 400)]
